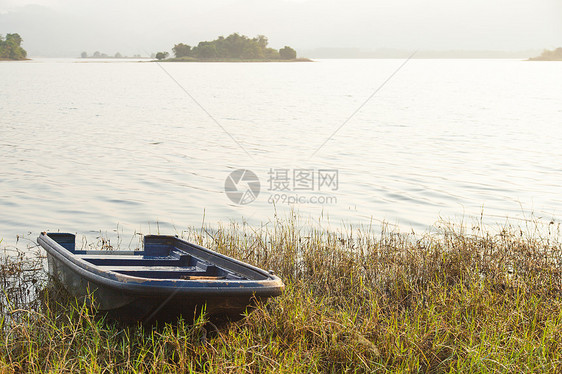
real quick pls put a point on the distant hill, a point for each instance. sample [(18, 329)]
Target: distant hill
[(398, 53), (547, 55)]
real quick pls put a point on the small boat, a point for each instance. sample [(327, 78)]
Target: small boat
[(167, 278)]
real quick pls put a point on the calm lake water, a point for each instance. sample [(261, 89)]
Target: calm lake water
[(102, 146)]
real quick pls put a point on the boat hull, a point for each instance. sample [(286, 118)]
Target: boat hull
[(149, 286)]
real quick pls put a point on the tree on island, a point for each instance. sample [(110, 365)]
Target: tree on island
[(10, 47), (287, 53), (162, 55), (181, 50), (234, 46)]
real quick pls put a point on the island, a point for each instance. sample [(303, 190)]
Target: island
[(100, 55), (10, 48), (548, 55), (233, 48)]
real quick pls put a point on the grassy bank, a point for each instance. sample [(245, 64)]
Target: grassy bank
[(356, 301)]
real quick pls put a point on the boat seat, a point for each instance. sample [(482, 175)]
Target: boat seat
[(166, 268), (134, 260), (203, 271)]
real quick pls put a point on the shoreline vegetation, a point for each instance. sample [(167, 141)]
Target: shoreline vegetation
[(548, 55), (233, 48), (460, 299), (192, 59), (10, 48)]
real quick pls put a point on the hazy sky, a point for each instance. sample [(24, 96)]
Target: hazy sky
[(67, 27)]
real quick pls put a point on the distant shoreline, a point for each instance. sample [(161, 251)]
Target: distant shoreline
[(15, 59), (544, 59), (114, 58), (192, 59)]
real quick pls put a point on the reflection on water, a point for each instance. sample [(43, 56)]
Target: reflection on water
[(89, 146)]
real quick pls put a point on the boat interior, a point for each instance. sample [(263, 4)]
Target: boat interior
[(160, 259)]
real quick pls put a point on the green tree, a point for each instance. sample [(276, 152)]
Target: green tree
[(10, 47), (161, 55), (252, 50), (235, 45), (271, 53), (287, 53), (206, 50), (262, 41), (84, 54), (221, 45), (181, 50)]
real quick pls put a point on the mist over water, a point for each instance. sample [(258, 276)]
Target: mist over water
[(94, 146)]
